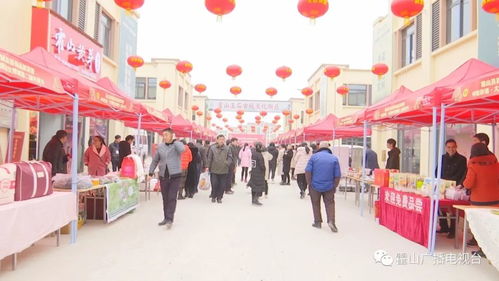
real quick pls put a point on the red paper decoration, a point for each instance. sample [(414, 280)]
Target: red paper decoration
[(135, 61), (379, 69), (235, 90), (165, 84), (284, 72), (309, 111), (184, 66), (220, 7), (407, 8), (126, 4), (195, 108), (307, 91), (343, 90), (296, 116), (234, 70), (271, 92), (313, 9), (286, 112), (200, 88), (332, 71)]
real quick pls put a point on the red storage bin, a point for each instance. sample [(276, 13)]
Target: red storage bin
[(33, 179), (128, 168), (382, 177)]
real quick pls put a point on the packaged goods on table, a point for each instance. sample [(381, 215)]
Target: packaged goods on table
[(7, 183)]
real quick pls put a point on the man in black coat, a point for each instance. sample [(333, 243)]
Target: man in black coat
[(454, 168), (126, 148), (257, 178), (393, 161), (54, 153), (272, 163)]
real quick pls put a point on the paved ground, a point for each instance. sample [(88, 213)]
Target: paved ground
[(235, 241)]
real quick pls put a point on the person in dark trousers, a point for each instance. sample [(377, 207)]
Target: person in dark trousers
[(54, 153), (191, 183), (219, 161), (245, 161), (323, 176), (393, 161), (482, 179), (167, 158), (371, 160), (286, 165), (303, 154), (257, 175), (272, 163), (114, 149), (454, 168), (234, 151), (126, 148), (202, 155)]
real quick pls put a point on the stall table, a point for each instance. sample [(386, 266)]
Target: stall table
[(26, 222), (408, 214)]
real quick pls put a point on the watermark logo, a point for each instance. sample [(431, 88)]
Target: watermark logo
[(384, 258)]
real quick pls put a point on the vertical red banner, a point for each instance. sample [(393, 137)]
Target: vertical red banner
[(17, 147)]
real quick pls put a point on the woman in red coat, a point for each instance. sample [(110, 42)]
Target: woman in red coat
[(97, 157)]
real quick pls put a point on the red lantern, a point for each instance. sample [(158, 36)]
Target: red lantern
[(258, 122), (217, 110), (284, 72), (271, 92), (309, 111), (220, 7), (307, 91), (343, 90), (277, 117), (165, 84), (234, 71), (313, 8), (407, 8), (240, 112), (274, 121), (195, 108), (129, 4), (219, 115), (241, 121), (263, 113), (258, 118), (135, 61), (200, 88), (239, 117), (291, 121), (296, 116), (379, 69), (184, 67), (491, 6), (225, 120), (208, 118), (235, 90), (332, 71), (286, 112), (199, 113)]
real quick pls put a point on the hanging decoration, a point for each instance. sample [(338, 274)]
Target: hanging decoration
[(239, 117), (274, 121), (263, 113), (184, 67), (258, 122), (343, 90), (135, 61), (200, 88), (208, 118), (286, 112), (195, 108), (220, 7), (199, 113), (296, 116), (240, 112), (283, 72), (407, 8), (219, 115), (234, 71), (271, 92), (291, 121), (241, 121), (128, 5), (313, 9), (235, 90), (307, 91), (332, 71), (491, 6), (277, 117), (379, 69), (225, 120), (309, 111), (258, 118), (217, 110), (165, 84)]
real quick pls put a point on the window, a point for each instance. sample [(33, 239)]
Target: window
[(105, 33), (82, 15), (356, 141), (151, 88), (63, 8), (311, 102), (435, 25), (458, 19), (180, 96), (408, 45), (186, 100), (317, 101), (140, 88), (359, 95)]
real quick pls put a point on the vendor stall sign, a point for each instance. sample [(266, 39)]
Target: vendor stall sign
[(70, 46), (114, 101), (346, 121), (405, 201), (249, 105), (392, 110), (17, 147), (482, 88), (122, 197)]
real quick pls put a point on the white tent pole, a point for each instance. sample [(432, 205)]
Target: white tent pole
[(436, 191), (74, 162), (11, 135), (432, 170), (364, 152)]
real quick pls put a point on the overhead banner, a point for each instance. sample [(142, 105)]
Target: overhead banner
[(128, 47), (249, 105)]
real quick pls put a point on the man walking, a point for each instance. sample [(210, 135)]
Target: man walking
[(371, 160), (125, 148), (219, 160), (167, 157), (323, 176), (114, 149), (202, 152), (273, 162), (234, 151)]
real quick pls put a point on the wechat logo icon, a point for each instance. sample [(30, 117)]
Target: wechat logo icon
[(382, 256)]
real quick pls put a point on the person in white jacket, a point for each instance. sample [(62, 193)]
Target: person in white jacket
[(303, 154), (280, 163)]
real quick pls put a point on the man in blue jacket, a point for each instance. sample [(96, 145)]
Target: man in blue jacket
[(168, 159), (323, 176)]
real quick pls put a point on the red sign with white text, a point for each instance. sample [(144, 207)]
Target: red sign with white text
[(72, 47)]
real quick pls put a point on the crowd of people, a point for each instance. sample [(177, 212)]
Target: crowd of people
[(314, 168)]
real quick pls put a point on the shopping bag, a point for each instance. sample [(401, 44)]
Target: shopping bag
[(204, 181), (128, 168)]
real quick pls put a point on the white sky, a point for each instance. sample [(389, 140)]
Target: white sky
[(259, 35)]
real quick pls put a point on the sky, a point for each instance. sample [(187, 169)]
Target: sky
[(260, 36)]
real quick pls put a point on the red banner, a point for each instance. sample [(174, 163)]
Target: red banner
[(17, 147), (488, 86)]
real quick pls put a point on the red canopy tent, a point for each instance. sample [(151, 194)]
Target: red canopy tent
[(328, 127), (181, 127)]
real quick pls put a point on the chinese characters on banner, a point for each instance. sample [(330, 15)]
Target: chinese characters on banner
[(404, 200), (17, 147), (72, 47), (249, 106)]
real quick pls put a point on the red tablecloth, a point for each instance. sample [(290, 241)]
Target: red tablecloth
[(408, 214)]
